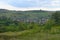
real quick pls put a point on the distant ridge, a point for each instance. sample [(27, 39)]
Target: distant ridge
[(27, 10)]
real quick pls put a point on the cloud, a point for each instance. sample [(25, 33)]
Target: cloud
[(6, 6), (10, 7), (30, 4), (51, 4)]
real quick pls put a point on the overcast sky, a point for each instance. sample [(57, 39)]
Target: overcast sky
[(30, 4)]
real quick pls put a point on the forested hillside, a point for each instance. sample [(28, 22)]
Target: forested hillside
[(29, 25), (33, 15), (21, 20)]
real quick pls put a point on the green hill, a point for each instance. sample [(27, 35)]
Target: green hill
[(12, 27), (30, 14)]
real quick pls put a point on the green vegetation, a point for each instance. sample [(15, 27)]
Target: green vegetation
[(25, 25)]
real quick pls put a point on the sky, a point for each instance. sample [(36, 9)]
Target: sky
[(30, 4)]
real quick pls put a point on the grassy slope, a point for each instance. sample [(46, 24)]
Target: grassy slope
[(35, 34)]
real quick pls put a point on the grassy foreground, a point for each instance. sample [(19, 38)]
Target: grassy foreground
[(34, 34)]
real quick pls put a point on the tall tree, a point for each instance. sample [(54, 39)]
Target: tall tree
[(56, 17)]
